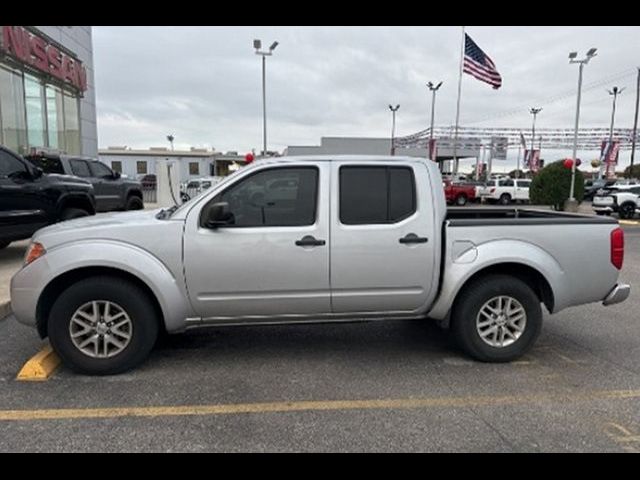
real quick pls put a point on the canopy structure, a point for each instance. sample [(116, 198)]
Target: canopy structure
[(546, 138)]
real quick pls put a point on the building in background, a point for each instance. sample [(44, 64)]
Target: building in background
[(194, 163), (47, 95), (381, 146)]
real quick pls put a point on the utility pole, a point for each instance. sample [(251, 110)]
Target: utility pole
[(635, 126), (393, 128)]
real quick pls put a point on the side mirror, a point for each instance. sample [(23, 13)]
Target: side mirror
[(218, 215), (116, 175)]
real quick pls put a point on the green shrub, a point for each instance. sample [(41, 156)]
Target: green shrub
[(632, 174), (551, 186)]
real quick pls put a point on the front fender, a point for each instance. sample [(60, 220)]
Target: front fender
[(465, 260), (169, 291)]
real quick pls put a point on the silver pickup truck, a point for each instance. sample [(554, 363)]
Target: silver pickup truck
[(315, 239)]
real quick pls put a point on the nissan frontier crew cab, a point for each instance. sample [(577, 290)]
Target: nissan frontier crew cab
[(312, 240)]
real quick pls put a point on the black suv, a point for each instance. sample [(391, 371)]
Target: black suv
[(112, 191), (30, 200)]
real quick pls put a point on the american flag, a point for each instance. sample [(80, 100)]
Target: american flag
[(479, 65)]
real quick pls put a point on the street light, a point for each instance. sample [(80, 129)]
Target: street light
[(171, 138), (393, 128), (434, 89), (257, 45), (571, 203), (533, 111), (615, 91)]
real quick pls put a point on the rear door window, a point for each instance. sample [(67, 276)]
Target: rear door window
[(376, 195)]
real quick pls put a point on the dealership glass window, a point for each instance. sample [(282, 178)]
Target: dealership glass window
[(141, 167), (13, 128), (116, 166), (194, 168), (71, 124), (34, 99), (55, 118)]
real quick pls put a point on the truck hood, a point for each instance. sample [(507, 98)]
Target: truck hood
[(140, 228)]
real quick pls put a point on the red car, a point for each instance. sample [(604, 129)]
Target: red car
[(458, 193)]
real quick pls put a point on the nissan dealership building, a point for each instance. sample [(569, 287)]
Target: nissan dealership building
[(47, 95)]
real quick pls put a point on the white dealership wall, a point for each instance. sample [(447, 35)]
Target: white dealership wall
[(78, 39)]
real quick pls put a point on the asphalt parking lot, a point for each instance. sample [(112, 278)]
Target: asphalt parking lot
[(396, 386)]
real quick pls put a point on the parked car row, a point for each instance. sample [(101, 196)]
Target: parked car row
[(30, 200), (500, 190), (44, 188)]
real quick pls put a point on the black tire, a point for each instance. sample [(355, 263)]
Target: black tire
[(461, 200), (4, 245), (71, 213), (134, 203), (131, 298), (467, 309), (505, 199), (627, 210)]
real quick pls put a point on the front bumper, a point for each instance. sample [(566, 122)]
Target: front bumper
[(618, 294)]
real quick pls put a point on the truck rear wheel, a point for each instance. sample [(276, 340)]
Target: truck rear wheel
[(505, 199), (497, 318), (103, 326), (134, 203)]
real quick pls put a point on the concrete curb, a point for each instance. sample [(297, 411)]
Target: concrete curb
[(5, 309)]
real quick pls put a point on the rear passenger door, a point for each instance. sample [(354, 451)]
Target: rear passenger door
[(382, 237), (108, 185)]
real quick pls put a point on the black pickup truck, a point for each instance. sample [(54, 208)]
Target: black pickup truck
[(30, 200), (112, 191)]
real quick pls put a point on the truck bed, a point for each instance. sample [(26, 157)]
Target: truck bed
[(465, 216)]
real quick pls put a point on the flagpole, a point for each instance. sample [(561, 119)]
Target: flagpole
[(455, 136)]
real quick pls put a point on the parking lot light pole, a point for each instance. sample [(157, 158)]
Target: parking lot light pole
[(533, 111), (434, 89), (171, 138), (571, 203), (393, 128), (257, 44), (615, 91)]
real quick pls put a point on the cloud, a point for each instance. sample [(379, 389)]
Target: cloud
[(203, 84)]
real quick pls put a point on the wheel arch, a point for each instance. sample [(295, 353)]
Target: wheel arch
[(56, 286)]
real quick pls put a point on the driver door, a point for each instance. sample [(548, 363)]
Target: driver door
[(259, 267)]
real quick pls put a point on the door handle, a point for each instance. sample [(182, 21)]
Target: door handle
[(309, 241), (413, 238)]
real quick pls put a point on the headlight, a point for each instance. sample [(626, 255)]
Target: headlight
[(34, 252)]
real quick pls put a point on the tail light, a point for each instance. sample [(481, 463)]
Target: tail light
[(617, 247)]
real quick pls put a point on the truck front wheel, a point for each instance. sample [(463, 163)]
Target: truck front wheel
[(497, 318), (103, 325)]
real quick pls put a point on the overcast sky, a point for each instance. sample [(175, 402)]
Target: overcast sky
[(203, 84)]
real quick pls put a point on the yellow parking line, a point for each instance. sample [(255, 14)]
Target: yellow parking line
[(301, 406), (39, 367)]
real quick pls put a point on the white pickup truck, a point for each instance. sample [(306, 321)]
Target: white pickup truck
[(312, 239), (506, 190)]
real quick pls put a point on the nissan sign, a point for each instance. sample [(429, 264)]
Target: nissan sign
[(44, 55)]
